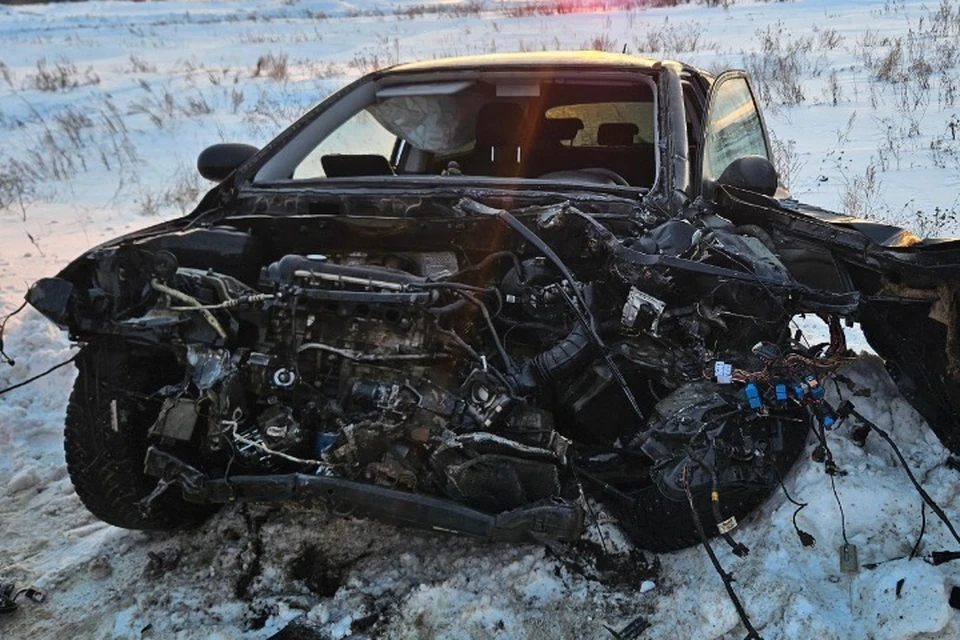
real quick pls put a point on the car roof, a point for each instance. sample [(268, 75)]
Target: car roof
[(546, 59)]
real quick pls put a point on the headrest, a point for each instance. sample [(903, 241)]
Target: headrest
[(554, 129), (616, 134), (500, 124)]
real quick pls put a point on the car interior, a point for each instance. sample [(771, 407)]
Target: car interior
[(601, 132)]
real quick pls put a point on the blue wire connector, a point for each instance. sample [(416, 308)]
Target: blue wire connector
[(816, 390), (781, 392), (826, 415), (753, 395)]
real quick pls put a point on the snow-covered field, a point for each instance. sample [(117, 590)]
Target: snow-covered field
[(103, 109)]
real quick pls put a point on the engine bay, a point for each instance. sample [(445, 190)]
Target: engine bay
[(506, 367)]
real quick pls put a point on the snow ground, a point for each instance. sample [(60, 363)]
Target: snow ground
[(172, 77)]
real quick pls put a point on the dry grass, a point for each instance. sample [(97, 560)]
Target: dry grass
[(273, 66), (62, 75)]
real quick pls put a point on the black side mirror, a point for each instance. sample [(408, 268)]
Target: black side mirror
[(217, 162), (752, 173)]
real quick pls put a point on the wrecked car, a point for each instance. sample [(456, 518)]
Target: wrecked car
[(472, 294)]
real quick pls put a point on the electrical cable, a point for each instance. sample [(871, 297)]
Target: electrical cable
[(739, 549), (806, 538), (923, 494), (3, 354), (38, 376), (831, 469), (724, 576), (848, 408), (923, 529), (740, 263), (843, 520)]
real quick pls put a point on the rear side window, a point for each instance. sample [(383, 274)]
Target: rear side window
[(734, 129)]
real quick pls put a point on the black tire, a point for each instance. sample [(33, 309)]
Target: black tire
[(659, 523), (106, 466)]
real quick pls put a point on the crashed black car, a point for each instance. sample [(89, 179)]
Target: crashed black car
[(470, 294)]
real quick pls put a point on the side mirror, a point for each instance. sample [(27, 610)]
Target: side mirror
[(217, 162), (752, 173)]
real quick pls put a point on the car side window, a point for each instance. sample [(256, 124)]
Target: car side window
[(734, 129), (360, 137)]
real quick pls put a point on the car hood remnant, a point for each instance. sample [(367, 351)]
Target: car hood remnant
[(565, 294)]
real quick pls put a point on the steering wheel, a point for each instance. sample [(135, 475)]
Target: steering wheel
[(591, 174), (609, 173)]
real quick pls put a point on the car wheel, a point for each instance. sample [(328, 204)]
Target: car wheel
[(661, 521), (105, 441)]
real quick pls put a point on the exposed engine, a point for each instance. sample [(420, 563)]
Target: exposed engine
[(498, 380)]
